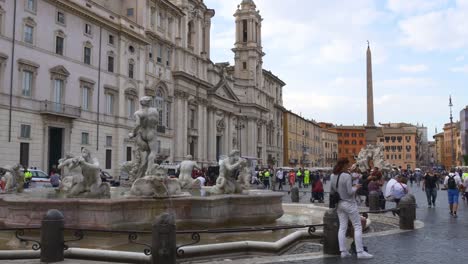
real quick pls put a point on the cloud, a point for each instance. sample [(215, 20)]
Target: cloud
[(460, 58), (413, 68), (463, 69), (414, 6), (438, 30)]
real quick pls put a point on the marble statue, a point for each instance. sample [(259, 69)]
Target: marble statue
[(144, 133), (14, 178), (245, 174), (185, 173), (156, 184), (87, 184), (226, 182), (374, 153)]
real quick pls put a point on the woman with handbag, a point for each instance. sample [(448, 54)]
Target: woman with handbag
[(347, 209)]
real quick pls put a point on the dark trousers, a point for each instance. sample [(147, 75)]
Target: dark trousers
[(431, 195)]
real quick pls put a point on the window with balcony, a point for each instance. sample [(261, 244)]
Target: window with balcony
[(86, 98), (130, 106), (110, 63), (163, 105), (109, 103), (27, 83), (87, 53), (131, 69)]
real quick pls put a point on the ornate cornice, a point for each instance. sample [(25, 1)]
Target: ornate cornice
[(181, 94)]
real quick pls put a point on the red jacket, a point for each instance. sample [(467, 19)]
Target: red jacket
[(318, 187)]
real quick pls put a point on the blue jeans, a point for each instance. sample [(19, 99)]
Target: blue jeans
[(431, 194)]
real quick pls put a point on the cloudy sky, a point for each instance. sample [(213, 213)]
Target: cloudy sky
[(318, 47)]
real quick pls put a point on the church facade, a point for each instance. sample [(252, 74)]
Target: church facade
[(71, 76)]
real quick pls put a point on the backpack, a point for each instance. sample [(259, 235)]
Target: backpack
[(451, 183), (335, 195)]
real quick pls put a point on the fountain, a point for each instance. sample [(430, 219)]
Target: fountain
[(88, 203)]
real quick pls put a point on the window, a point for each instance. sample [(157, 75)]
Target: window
[(129, 12), (111, 39), (131, 67), (108, 141), (86, 98), (109, 98), (189, 34), (84, 138), (60, 17), (244, 65), (192, 118), (160, 51), (28, 34), (110, 64), (58, 91), (130, 107), (244, 30), (87, 55), (153, 17), (108, 159), (88, 29), (27, 83), (168, 57), (59, 45), (31, 5), (25, 131)]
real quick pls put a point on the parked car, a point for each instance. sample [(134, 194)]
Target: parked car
[(39, 179)]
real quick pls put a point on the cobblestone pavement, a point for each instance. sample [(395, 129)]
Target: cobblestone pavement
[(443, 239)]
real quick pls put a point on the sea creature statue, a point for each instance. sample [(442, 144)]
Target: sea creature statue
[(13, 177), (226, 182), (156, 184), (245, 175), (374, 153), (88, 184)]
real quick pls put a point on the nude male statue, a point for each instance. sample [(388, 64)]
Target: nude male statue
[(145, 133), (226, 182), (185, 172)]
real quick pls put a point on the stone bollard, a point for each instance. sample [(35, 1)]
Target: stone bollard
[(407, 208), (163, 249), (330, 233), (295, 195), (374, 201), (52, 237)]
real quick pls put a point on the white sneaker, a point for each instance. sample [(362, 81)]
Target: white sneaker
[(364, 255), (345, 254)]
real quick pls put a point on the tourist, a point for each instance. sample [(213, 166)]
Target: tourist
[(292, 178), (299, 177), (317, 191), (55, 180), (399, 189), (452, 183), (280, 177), (465, 184), (306, 178), (430, 185), (347, 208)]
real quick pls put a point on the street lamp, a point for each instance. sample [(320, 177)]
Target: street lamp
[(451, 131)]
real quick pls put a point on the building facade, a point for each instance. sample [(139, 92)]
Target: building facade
[(440, 149), (79, 68), (452, 145), (400, 143), (302, 141), (351, 139), (329, 155), (432, 150), (464, 134)]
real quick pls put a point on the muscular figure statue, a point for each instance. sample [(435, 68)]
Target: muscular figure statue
[(88, 184), (145, 133), (185, 172), (226, 182)]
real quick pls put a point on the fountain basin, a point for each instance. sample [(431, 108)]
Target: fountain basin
[(132, 213)]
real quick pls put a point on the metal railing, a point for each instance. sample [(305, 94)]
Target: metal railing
[(60, 109)]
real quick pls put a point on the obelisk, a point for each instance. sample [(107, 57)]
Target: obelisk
[(371, 130)]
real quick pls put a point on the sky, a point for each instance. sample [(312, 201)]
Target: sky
[(318, 48)]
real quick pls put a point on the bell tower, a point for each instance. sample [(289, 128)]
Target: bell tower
[(248, 46)]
